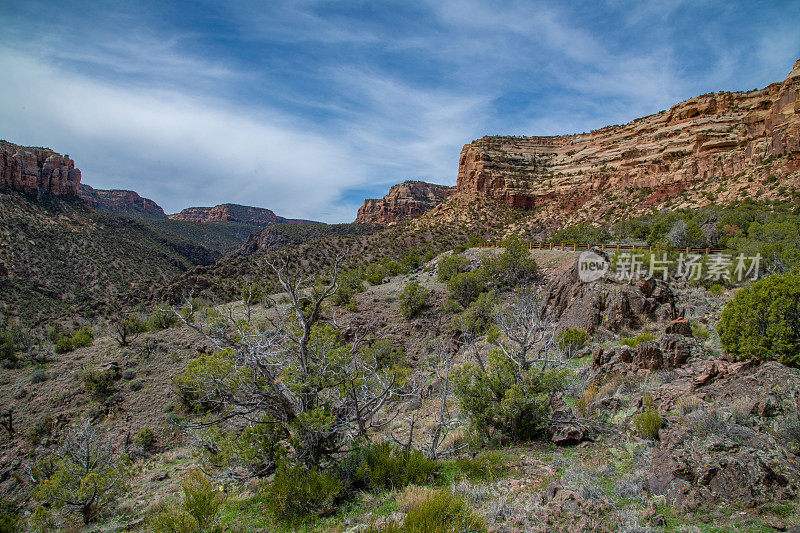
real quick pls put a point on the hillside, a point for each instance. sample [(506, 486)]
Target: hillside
[(61, 259)]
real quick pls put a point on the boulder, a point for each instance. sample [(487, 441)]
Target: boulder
[(605, 303), (679, 326)]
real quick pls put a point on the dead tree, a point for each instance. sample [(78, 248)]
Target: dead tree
[(290, 368), (528, 337), (441, 367)]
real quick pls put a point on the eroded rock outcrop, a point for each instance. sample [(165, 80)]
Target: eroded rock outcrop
[(120, 202), (405, 201), (256, 216), (733, 144), (606, 303), (33, 170)]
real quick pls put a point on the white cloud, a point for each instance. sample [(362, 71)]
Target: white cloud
[(215, 152)]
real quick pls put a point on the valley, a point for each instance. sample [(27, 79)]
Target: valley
[(431, 366)]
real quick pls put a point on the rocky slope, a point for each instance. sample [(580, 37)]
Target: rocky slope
[(120, 202), (404, 201), (61, 259), (34, 170), (712, 148)]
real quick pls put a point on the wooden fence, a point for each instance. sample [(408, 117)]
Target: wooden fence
[(609, 247)]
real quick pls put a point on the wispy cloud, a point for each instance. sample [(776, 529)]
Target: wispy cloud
[(305, 106)]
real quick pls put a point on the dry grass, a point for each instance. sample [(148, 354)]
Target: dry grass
[(413, 495)]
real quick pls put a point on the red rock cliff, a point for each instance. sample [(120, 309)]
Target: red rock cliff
[(404, 201), (255, 216), (37, 170), (121, 202), (715, 147)]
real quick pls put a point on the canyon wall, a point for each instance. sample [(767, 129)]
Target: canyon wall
[(33, 170), (120, 202), (712, 148), (255, 216), (405, 201)]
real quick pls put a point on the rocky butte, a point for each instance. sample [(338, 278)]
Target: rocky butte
[(34, 170), (404, 201), (255, 216), (121, 202), (712, 148)]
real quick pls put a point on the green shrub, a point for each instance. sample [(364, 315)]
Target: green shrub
[(700, 332), (477, 317), (160, 319), (716, 289), (467, 286), (583, 233), (125, 327), (387, 466), (504, 403), (298, 494), (64, 345), (84, 482), (42, 427), (410, 262), (648, 422), (514, 266), (444, 512), (387, 353), (375, 273), (199, 510), (11, 342), (98, 383), (451, 265), (413, 299), (350, 284), (489, 466), (634, 342), (572, 340), (763, 320), (146, 438), (82, 338), (10, 519)]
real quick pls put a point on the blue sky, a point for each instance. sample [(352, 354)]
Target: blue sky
[(308, 107)]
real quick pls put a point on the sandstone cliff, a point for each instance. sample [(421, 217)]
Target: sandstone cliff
[(121, 202), (255, 216), (713, 148), (37, 171), (407, 200)]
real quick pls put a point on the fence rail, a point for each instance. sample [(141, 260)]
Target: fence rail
[(610, 247)]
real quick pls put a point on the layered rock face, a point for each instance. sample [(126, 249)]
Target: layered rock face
[(121, 202), (37, 170), (404, 201), (714, 147), (255, 216)]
